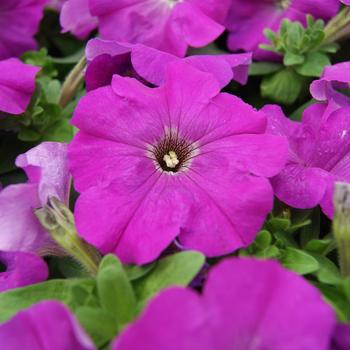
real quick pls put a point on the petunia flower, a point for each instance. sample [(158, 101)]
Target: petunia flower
[(168, 25), (48, 325), (17, 84), (19, 21), (47, 170), (246, 304), (319, 155), (248, 19), (21, 269), (334, 79), (106, 58), (182, 160)]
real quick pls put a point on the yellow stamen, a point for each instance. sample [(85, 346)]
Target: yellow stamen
[(171, 159)]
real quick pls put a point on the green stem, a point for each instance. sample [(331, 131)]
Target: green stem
[(72, 83), (341, 225), (338, 27)]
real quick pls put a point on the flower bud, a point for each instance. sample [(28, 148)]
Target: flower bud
[(341, 225), (58, 220)]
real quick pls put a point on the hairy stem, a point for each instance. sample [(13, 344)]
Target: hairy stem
[(72, 83)]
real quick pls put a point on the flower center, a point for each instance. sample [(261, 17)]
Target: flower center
[(171, 160), (171, 3), (173, 153), (283, 4)]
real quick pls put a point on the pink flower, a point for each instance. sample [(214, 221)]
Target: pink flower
[(334, 78), (17, 84), (168, 25), (319, 155), (21, 269), (248, 19), (106, 58), (48, 325), (182, 160), (19, 21), (76, 18), (246, 304), (46, 168)]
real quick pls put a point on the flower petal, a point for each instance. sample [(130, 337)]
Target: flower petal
[(196, 28), (76, 18), (228, 208), (300, 186), (46, 165), (20, 229), (248, 300), (136, 222), (102, 113), (263, 155), (22, 269), (186, 326), (17, 84), (48, 326), (95, 161)]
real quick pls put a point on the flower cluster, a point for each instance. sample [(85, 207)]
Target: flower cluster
[(153, 194)]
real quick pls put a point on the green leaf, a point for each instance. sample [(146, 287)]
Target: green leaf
[(299, 261), (28, 134), (285, 239), (115, 290), (283, 86), (135, 272), (178, 269), (263, 68), (318, 245), (271, 252), (328, 272), (278, 224), (61, 131), (292, 59), (263, 239), (99, 324), (15, 300), (314, 64)]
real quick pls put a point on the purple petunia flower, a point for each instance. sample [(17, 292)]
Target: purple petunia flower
[(345, 2), (17, 84), (48, 325), (334, 78), (106, 58), (19, 21), (248, 19), (168, 25), (47, 171), (246, 304), (180, 160), (21, 269), (319, 155)]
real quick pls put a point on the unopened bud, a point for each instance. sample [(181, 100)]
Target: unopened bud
[(341, 225), (58, 220)]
